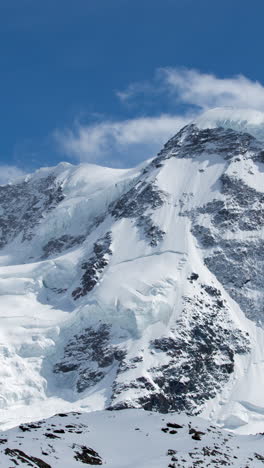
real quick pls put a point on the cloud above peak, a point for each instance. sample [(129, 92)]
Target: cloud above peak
[(127, 142), (109, 141), (208, 91), (202, 90)]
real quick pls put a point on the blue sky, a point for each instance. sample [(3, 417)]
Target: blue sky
[(108, 81)]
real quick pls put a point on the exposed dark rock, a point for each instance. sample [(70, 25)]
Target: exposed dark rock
[(171, 452), (191, 142), (87, 455), (165, 429), (238, 264), (204, 235), (196, 435), (211, 290), (88, 378), (153, 233), (56, 246), (138, 203), (194, 277), (19, 457), (174, 425), (29, 427), (201, 348), (95, 266), (89, 355), (49, 435), (23, 206)]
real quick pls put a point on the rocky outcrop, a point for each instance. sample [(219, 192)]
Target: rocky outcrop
[(23, 205), (138, 203), (89, 356), (200, 352), (56, 246), (232, 244), (94, 267), (192, 142)]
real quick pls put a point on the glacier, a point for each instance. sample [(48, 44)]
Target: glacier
[(139, 288)]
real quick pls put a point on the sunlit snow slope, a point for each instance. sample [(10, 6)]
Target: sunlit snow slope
[(127, 439), (139, 288)]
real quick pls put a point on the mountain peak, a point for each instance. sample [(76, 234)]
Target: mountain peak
[(222, 132), (242, 120), (147, 283)]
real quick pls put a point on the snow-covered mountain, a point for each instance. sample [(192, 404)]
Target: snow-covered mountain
[(139, 288)]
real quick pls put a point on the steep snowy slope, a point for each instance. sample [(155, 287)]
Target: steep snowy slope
[(138, 288)]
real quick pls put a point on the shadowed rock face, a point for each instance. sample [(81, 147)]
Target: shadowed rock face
[(191, 142), (23, 206), (200, 350), (151, 232), (56, 246), (233, 248), (89, 356), (138, 203), (94, 267)]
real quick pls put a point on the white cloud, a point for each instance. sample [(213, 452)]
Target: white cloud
[(108, 140), (208, 91), (9, 174), (136, 88), (203, 90), (128, 141)]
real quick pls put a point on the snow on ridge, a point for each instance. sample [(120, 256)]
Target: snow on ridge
[(242, 120)]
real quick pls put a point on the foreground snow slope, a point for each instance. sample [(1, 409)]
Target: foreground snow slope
[(138, 288), (127, 439)]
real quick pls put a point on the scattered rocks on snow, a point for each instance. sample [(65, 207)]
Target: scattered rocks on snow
[(19, 457)]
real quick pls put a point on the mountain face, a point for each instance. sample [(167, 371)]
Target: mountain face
[(139, 288)]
